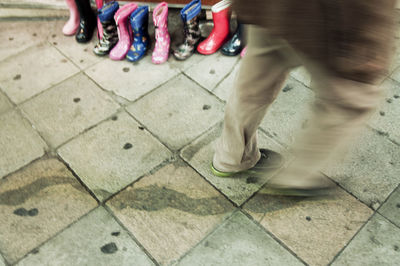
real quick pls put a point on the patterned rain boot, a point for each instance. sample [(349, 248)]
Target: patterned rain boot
[(190, 17), (73, 22), (243, 52), (87, 22), (124, 32), (139, 22), (235, 45), (220, 31), (161, 48), (110, 34)]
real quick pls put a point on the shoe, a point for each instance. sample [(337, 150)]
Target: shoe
[(220, 31), (110, 34), (235, 45), (72, 24), (269, 160), (190, 17), (124, 31), (87, 22), (161, 48), (139, 20)]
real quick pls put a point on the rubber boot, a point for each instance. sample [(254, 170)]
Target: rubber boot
[(161, 48), (124, 32), (110, 33), (190, 17), (220, 31), (72, 24), (235, 45), (243, 52), (139, 20), (87, 22)]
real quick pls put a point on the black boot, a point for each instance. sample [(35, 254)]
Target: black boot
[(87, 21), (190, 16), (235, 45), (110, 33)]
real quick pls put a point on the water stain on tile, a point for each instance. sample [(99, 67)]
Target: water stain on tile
[(64, 60), (11, 39), (287, 88), (269, 203), (77, 100), (25, 212), (126, 69), (116, 233), (18, 196), (396, 96), (308, 218), (114, 118), (141, 128), (55, 43), (206, 107), (389, 100), (109, 248), (17, 77), (104, 194), (212, 71), (127, 146), (382, 113), (251, 180), (35, 251), (34, 34), (155, 198)]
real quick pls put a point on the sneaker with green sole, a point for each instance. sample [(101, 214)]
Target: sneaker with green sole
[(269, 160)]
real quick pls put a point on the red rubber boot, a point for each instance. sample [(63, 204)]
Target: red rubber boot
[(220, 32)]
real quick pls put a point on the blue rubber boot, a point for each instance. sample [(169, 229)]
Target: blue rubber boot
[(110, 34), (139, 22)]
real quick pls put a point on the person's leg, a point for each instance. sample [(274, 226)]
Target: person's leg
[(341, 109), (261, 76)]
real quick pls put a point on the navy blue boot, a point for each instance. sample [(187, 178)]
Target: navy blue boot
[(110, 33), (139, 22)]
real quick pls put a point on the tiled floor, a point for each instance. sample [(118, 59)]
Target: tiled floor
[(107, 163)]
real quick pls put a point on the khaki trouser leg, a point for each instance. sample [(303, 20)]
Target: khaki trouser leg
[(261, 76)]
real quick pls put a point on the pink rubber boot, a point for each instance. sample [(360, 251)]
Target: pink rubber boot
[(124, 32), (73, 22), (161, 48), (99, 4)]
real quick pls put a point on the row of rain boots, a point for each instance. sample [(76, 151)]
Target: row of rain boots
[(123, 31), (130, 22)]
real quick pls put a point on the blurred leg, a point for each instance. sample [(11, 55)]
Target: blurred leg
[(261, 76)]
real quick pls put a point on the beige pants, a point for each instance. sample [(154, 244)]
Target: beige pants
[(340, 110)]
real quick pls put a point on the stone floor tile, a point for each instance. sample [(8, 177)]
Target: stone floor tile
[(314, 229), (4, 103), (69, 108), (33, 71), (289, 113), (225, 88), (238, 189), (81, 54), (370, 170), (376, 244), (2, 262), (212, 70), (185, 64), (178, 111), (386, 119), (170, 211), (115, 154), (391, 208), (96, 239), (239, 242), (19, 143), (36, 203), (301, 74), (15, 40), (129, 80)]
